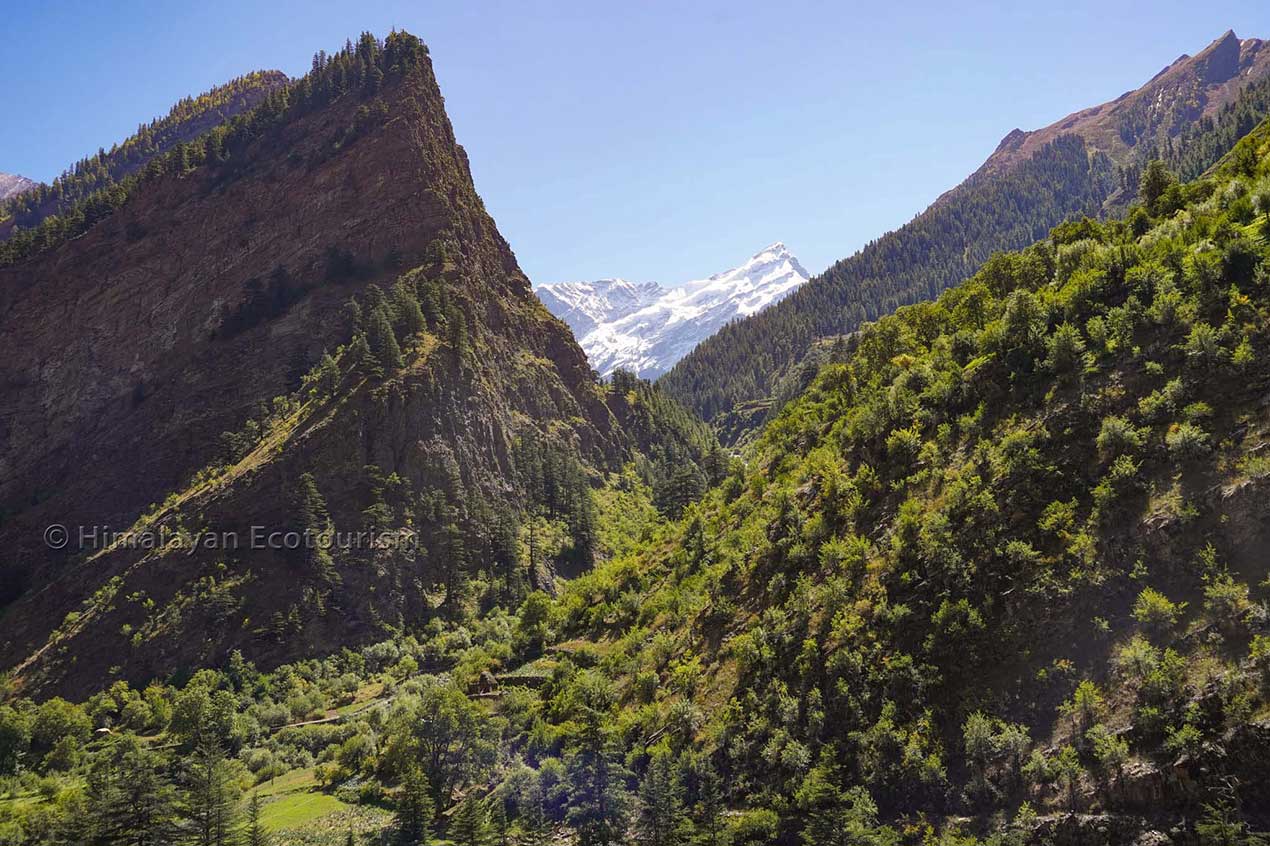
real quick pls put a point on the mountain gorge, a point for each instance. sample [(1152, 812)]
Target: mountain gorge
[(1032, 182), (355, 548), (645, 328), (1004, 557)]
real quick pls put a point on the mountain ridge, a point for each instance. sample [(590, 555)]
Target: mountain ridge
[(1199, 85), (647, 328), (194, 323), (187, 121), (1029, 184)]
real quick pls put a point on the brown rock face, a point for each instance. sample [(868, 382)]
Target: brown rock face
[(124, 365), (1190, 88)]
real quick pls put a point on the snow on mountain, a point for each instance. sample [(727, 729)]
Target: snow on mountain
[(585, 305), (645, 328)]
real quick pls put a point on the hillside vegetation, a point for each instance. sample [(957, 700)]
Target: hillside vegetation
[(998, 577), (96, 179)]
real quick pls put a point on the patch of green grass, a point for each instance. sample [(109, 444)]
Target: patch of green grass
[(294, 781), (366, 823), (297, 810)]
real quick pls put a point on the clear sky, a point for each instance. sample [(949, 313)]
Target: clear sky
[(651, 140)]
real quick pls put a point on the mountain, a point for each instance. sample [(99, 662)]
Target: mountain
[(585, 305), (266, 332), (11, 185), (1190, 114), (646, 329), (999, 568), (1189, 90), (185, 123), (996, 577)]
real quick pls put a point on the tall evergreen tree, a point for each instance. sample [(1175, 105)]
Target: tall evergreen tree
[(212, 794), (383, 343), (661, 820), (313, 522), (409, 316), (254, 833), (471, 824), (131, 801), (415, 810), (1156, 180), (710, 804), (598, 800)]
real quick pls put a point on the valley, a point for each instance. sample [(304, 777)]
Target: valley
[(959, 543)]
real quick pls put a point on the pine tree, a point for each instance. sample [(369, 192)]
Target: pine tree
[(533, 818), (130, 800), (471, 826), (1156, 180), (359, 355), (327, 377), (255, 834), (709, 804), (313, 522), (456, 326), (410, 321), (211, 807), (661, 817), (598, 801), (415, 810), (382, 341), (499, 832), (838, 817)]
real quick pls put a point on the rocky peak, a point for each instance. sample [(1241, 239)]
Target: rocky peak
[(11, 185), (182, 315), (1186, 90), (1220, 59)]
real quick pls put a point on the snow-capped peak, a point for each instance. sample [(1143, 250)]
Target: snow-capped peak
[(585, 305), (646, 328)]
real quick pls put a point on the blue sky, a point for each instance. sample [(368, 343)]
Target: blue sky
[(651, 140)]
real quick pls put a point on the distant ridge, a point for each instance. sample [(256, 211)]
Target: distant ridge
[(11, 185), (185, 122), (1189, 114)]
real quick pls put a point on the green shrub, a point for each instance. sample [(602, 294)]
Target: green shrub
[(1186, 441), (1118, 436), (1226, 601), (753, 827), (1162, 403), (1065, 351), (1203, 346), (1156, 611)]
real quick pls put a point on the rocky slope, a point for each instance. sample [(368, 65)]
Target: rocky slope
[(646, 329), (1188, 90), (11, 185), (1079, 165), (138, 349)]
